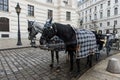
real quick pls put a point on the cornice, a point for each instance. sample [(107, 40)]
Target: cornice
[(50, 5)]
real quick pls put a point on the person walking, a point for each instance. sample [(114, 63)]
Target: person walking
[(109, 38)]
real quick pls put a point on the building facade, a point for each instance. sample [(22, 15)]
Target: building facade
[(100, 14), (62, 11)]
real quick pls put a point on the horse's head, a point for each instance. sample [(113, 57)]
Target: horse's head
[(31, 29), (49, 30)]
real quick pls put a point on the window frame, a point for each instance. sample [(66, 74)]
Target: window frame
[(108, 13), (115, 22), (50, 14), (108, 23), (109, 3), (68, 16), (116, 1), (101, 24), (101, 6), (116, 11), (30, 10), (101, 15), (4, 4)]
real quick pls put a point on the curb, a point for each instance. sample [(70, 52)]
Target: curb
[(14, 48)]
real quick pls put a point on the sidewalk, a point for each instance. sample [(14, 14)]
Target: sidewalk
[(9, 43), (98, 72)]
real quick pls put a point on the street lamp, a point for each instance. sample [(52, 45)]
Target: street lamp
[(18, 9)]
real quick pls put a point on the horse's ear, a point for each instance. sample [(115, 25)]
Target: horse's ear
[(50, 20)]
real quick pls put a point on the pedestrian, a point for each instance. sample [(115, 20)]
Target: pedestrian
[(109, 41), (100, 40)]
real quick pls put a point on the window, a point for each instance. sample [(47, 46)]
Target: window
[(95, 16), (108, 23), (90, 10), (50, 14), (115, 11), (82, 13), (101, 6), (68, 16), (86, 12), (101, 15), (116, 1), (4, 5), (4, 24), (30, 10), (86, 19), (49, 1), (90, 17), (100, 24), (108, 13), (108, 3), (95, 8), (115, 22)]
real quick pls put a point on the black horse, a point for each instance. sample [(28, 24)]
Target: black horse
[(68, 35)]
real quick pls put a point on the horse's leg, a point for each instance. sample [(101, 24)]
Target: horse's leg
[(52, 58), (97, 54), (87, 60), (78, 64), (71, 59), (57, 57), (90, 63)]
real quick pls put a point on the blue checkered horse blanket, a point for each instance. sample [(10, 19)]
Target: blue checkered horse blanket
[(86, 41)]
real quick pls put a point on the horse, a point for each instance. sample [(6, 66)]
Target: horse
[(68, 35), (34, 28)]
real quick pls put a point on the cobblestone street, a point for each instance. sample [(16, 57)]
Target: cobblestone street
[(33, 64), (29, 64)]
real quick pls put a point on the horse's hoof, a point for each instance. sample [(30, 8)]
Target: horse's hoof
[(51, 65), (58, 69)]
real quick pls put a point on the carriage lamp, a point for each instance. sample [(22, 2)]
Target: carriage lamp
[(18, 10)]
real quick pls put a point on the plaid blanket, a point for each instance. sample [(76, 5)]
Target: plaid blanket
[(86, 41)]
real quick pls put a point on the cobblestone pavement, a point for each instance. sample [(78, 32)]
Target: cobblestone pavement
[(33, 64)]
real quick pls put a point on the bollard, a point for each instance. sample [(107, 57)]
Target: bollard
[(113, 66)]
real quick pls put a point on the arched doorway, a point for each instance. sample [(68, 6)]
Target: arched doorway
[(4, 24)]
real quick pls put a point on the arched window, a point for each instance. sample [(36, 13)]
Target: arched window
[(115, 11), (108, 13), (4, 24)]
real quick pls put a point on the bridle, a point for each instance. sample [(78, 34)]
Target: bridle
[(50, 31)]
